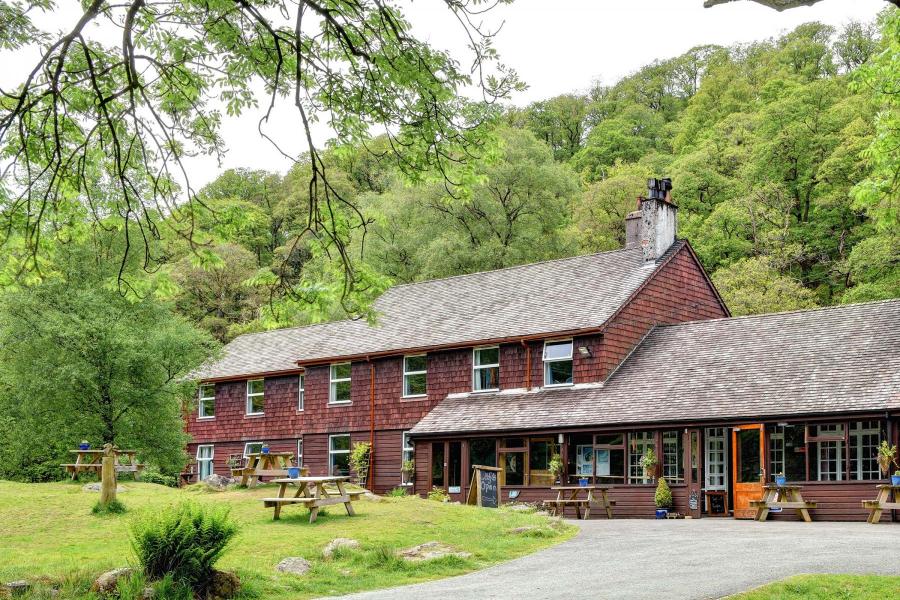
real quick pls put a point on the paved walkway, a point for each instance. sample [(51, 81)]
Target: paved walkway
[(672, 559)]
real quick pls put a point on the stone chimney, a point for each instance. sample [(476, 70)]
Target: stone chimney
[(653, 226)]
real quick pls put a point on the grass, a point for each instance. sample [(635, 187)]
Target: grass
[(48, 534), (826, 587)]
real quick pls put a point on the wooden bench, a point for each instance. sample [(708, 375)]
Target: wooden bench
[(781, 497), (881, 503)]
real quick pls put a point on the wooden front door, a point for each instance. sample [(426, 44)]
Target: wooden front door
[(748, 468)]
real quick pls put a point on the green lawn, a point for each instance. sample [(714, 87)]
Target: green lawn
[(826, 587), (47, 530)]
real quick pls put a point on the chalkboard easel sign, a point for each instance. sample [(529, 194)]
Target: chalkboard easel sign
[(715, 504), (484, 488)]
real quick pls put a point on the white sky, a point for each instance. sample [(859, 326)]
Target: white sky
[(557, 46)]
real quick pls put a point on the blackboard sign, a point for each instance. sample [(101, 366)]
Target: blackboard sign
[(484, 488), (716, 504)]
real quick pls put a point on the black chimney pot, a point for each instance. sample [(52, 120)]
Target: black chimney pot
[(657, 188)]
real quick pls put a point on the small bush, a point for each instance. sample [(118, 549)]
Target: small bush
[(663, 494), (398, 492), (132, 588), (438, 494), (184, 542), (153, 476), (112, 508)]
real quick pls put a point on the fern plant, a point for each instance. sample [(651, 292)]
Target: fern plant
[(183, 542)]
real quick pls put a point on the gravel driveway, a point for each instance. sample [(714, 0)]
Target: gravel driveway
[(647, 559)]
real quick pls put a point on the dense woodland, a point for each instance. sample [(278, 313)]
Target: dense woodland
[(784, 160)]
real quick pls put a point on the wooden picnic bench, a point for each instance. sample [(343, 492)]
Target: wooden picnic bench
[(260, 464), (558, 506), (881, 502), (91, 461), (781, 497), (313, 494)]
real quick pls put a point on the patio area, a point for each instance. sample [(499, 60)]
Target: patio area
[(705, 558)]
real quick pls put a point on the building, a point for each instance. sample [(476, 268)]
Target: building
[(595, 358)]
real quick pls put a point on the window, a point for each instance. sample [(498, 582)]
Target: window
[(483, 451), (557, 363), (300, 452), (486, 369), (252, 448), (255, 393), (407, 453), (437, 464), (827, 462), (865, 437), (301, 394), (204, 461), (638, 444), (207, 403), (540, 452), (414, 376), (787, 452), (673, 456), (512, 461), (716, 472), (609, 458), (340, 384), (339, 455)]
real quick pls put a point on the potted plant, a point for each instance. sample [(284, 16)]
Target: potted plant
[(409, 470), (84, 445), (556, 468), (887, 454), (265, 449), (780, 479), (583, 481), (359, 461), (895, 478), (648, 463), (663, 499)]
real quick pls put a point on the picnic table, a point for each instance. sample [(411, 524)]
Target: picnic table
[(92, 461), (568, 495), (781, 497), (881, 503), (312, 493), (259, 464)]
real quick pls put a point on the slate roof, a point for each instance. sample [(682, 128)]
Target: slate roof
[(839, 359), (540, 298)]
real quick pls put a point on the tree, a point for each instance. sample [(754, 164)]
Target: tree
[(127, 110), (78, 360), (753, 286), (559, 122)]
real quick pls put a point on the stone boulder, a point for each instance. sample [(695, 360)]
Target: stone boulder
[(95, 487), (218, 482), (431, 551), (14, 588), (109, 581), (342, 543), (294, 565), (223, 585)]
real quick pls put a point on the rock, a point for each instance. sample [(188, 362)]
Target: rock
[(369, 496), (148, 594), (14, 588), (95, 487), (430, 551), (218, 482), (520, 507), (223, 585), (108, 582), (521, 530), (336, 543), (294, 565)]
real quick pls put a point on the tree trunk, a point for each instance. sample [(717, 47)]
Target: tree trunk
[(108, 480)]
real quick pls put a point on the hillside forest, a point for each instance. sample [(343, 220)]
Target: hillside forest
[(784, 156)]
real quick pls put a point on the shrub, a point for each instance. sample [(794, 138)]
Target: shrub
[(398, 492), (111, 508), (438, 494), (153, 476), (184, 542), (359, 459), (663, 494)]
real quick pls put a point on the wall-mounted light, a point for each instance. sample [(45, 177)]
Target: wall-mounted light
[(584, 351), (560, 438)]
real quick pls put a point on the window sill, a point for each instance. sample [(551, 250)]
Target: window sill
[(557, 385), (415, 397), (347, 403), (486, 391), (206, 418), (254, 415)]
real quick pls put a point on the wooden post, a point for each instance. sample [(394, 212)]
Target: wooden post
[(108, 476)]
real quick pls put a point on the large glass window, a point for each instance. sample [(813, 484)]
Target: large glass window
[(339, 455), (787, 452), (483, 451), (415, 376), (252, 448), (454, 467), (207, 402), (716, 471), (486, 369), (438, 472), (408, 454), (827, 461), (865, 437), (340, 384), (512, 461), (748, 455), (540, 452), (609, 458), (301, 394), (205, 455), (638, 444), (255, 396), (673, 456), (558, 363)]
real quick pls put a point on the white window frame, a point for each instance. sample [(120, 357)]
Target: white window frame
[(209, 459), (332, 387), (202, 400), (641, 441), (248, 444), (858, 433), (261, 394), (301, 392), (548, 362), (476, 367), (300, 451), (716, 455), (407, 452), (406, 373), (825, 448), (332, 452)]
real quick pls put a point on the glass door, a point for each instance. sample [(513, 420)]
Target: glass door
[(748, 472)]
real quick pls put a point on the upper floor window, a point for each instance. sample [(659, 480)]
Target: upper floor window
[(207, 402), (486, 369), (340, 383), (414, 375), (302, 393), (255, 396), (558, 363)]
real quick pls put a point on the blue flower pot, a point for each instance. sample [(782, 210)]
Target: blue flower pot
[(84, 446), (895, 479), (583, 482), (265, 450), (780, 480), (662, 513), (293, 472)]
